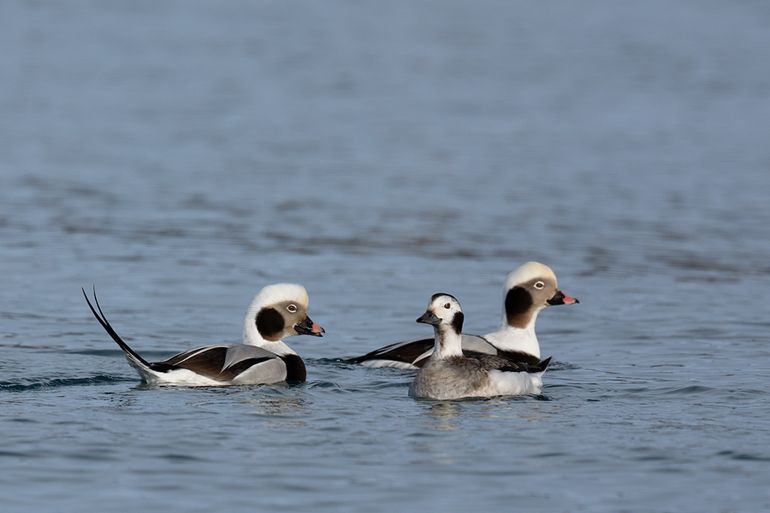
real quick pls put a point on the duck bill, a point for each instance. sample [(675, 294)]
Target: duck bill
[(429, 318), (560, 298), (308, 327)]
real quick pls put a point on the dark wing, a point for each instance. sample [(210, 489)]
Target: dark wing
[(519, 357), (411, 352), (490, 362), (222, 363), (406, 352), (187, 354)]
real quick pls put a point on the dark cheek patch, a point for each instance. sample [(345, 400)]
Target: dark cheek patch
[(518, 303), (457, 322), (270, 324)]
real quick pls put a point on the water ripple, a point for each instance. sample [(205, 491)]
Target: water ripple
[(23, 386), (743, 456), (692, 389)]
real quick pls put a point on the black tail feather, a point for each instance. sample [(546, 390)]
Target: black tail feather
[(543, 365), (110, 331)]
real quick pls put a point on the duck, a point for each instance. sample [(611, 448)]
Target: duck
[(528, 290), (449, 373), (276, 312)]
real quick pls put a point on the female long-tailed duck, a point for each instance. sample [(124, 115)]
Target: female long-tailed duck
[(528, 290), (278, 311), (450, 374)]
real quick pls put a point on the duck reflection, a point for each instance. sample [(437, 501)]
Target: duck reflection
[(280, 411), (444, 415)]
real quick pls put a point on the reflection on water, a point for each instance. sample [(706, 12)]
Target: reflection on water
[(280, 412), (444, 415)]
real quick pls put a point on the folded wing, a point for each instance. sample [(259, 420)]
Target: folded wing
[(223, 362), (414, 354)]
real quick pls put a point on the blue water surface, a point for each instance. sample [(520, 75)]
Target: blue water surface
[(181, 155)]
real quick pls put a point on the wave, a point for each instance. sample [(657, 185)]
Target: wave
[(23, 386)]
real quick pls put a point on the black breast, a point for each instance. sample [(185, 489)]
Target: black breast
[(295, 368)]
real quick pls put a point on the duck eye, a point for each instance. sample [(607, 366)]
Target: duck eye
[(447, 306), (292, 308), (539, 285)]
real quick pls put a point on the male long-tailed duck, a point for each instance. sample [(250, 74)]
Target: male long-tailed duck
[(278, 311), (450, 374), (528, 290)]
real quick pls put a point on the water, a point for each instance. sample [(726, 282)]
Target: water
[(181, 155)]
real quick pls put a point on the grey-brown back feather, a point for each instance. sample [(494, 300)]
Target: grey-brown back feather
[(222, 363)]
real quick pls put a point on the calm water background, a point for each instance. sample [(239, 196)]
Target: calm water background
[(181, 155)]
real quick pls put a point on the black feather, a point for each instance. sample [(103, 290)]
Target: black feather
[(457, 322), (439, 294), (110, 331)]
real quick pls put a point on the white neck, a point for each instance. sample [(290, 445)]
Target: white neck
[(447, 343), (279, 347), (509, 338)]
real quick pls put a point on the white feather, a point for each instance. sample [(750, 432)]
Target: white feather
[(509, 338), (393, 364), (527, 272), (513, 383), (271, 295)]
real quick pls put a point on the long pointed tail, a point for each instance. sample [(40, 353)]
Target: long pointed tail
[(133, 357)]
